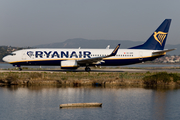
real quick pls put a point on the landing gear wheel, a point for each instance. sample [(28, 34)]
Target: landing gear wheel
[(87, 69), (20, 68)]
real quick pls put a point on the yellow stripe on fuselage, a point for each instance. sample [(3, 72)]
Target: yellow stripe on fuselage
[(82, 58)]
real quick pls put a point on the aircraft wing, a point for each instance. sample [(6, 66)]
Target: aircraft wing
[(163, 51), (98, 59)]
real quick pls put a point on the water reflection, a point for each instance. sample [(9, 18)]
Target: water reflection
[(42, 102)]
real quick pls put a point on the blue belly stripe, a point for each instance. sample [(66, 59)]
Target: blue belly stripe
[(107, 62)]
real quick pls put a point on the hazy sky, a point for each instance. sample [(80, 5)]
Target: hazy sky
[(34, 22)]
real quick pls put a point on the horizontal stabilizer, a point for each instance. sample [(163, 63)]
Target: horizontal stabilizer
[(164, 51)]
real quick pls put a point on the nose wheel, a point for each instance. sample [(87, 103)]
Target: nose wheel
[(19, 67), (87, 69)]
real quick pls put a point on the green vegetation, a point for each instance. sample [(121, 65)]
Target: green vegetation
[(71, 76), (161, 78), (91, 78), (35, 75), (12, 77)]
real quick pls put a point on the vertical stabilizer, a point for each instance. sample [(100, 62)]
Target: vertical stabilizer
[(158, 39)]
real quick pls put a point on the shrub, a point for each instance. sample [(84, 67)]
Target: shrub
[(64, 78), (150, 81), (174, 76), (148, 72), (161, 77)]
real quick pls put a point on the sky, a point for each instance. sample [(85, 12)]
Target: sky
[(34, 22)]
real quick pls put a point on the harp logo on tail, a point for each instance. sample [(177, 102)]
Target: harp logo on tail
[(160, 36)]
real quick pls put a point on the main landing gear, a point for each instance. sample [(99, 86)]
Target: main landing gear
[(20, 68), (87, 69)]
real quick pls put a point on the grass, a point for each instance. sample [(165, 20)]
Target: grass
[(70, 75), (12, 77)]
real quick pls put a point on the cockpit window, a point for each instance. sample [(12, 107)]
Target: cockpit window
[(13, 54)]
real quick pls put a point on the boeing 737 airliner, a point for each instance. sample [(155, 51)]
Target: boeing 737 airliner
[(74, 58)]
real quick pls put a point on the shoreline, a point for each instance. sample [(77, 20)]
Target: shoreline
[(76, 79)]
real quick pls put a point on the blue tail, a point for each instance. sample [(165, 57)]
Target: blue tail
[(158, 39)]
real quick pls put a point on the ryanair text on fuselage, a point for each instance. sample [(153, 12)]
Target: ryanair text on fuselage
[(60, 54)]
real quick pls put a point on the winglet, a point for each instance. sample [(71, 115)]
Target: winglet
[(115, 51)]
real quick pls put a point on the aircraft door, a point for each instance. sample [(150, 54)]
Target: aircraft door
[(23, 55), (140, 55)]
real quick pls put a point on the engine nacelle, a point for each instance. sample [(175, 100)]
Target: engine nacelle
[(69, 64)]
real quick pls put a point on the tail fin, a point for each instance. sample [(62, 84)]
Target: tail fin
[(158, 39)]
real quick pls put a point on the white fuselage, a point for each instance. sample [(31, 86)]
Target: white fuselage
[(55, 56)]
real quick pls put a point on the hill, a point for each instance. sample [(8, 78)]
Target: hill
[(85, 43)]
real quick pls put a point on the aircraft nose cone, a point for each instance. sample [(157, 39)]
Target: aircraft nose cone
[(5, 59)]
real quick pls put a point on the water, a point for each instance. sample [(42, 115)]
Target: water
[(42, 103), (152, 65), (5, 66)]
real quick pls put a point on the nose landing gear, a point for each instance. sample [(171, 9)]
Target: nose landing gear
[(19, 67)]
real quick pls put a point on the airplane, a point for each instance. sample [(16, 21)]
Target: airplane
[(74, 58)]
